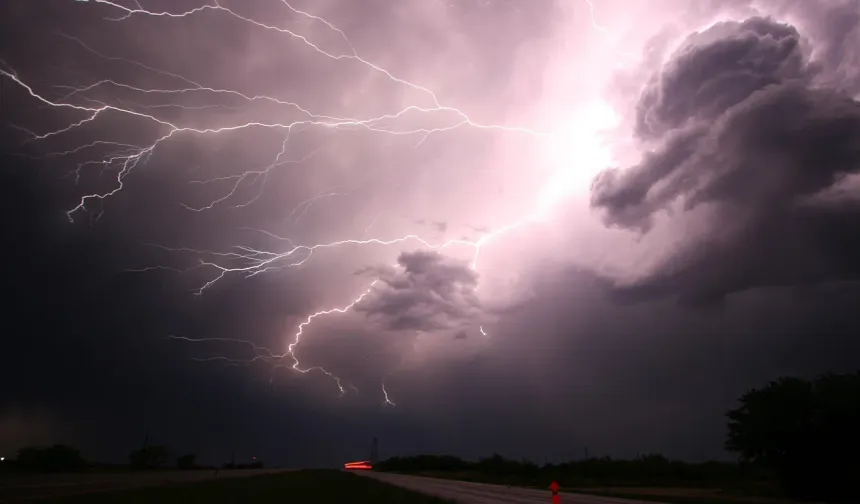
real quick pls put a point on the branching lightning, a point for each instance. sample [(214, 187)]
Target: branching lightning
[(124, 158)]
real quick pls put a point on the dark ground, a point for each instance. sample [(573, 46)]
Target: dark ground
[(311, 486)]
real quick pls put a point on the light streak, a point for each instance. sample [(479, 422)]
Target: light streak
[(353, 466), (593, 17), (378, 215), (124, 158), (603, 30), (387, 401)]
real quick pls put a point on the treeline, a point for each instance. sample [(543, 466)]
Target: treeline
[(63, 458), (647, 470), (54, 458)]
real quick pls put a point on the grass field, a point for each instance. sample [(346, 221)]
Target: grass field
[(307, 486)]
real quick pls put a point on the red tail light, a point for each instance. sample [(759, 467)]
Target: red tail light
[(362, 465)]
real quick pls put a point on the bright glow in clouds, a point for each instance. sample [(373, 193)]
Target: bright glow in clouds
[(577, 153)]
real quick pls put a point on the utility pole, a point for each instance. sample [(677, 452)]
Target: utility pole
[(141, 459), (374, 452)]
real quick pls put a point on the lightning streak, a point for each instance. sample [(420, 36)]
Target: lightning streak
[(123, 158), (594, 22), (386, 401)]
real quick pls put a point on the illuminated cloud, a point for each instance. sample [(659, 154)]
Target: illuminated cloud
[(741, 128), (716, 69), (426, 292)]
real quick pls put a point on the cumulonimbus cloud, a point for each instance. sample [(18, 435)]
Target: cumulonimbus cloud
[(743, 120)]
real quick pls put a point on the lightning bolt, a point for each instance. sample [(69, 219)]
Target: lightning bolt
[(386, 401), (123, 158), (593, 17)]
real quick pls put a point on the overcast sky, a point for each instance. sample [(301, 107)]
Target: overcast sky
[(529, 227)]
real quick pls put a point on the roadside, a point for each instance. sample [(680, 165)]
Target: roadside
[(665, 494), (679, 495)]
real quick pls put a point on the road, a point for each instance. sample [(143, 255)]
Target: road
[(467, 492), (23, 488)]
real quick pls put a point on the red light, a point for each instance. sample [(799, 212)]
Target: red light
[(362, 465)]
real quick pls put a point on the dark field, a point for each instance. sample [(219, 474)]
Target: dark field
[(311, 486)]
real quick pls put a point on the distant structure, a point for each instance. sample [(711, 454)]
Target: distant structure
[(365, 464), (374, 452)]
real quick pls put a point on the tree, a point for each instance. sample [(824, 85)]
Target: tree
[(806, 430), (186, 461), (54, 458), (149, 457)]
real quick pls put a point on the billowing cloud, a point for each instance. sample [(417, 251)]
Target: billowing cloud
[(716, 69), (741, 129), (427, 292)]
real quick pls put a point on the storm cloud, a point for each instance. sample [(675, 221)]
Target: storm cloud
[(426, 292), (716, 69), (743, 129)]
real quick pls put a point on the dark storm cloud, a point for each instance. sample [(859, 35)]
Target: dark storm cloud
[(833, 26), (717, 69), (428, 292), (741, 127)]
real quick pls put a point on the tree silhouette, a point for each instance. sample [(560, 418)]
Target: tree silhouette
[(49, 459), (646, 470), (186, 461), (149, 457), (807, 430)]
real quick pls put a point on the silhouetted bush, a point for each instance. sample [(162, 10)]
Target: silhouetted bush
[(424, 463), (150, 457), (49, 459), (186, 461)]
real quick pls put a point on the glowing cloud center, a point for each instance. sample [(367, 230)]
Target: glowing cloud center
[(577, 153)]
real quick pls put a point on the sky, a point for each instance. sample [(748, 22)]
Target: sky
[(537, 227)]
